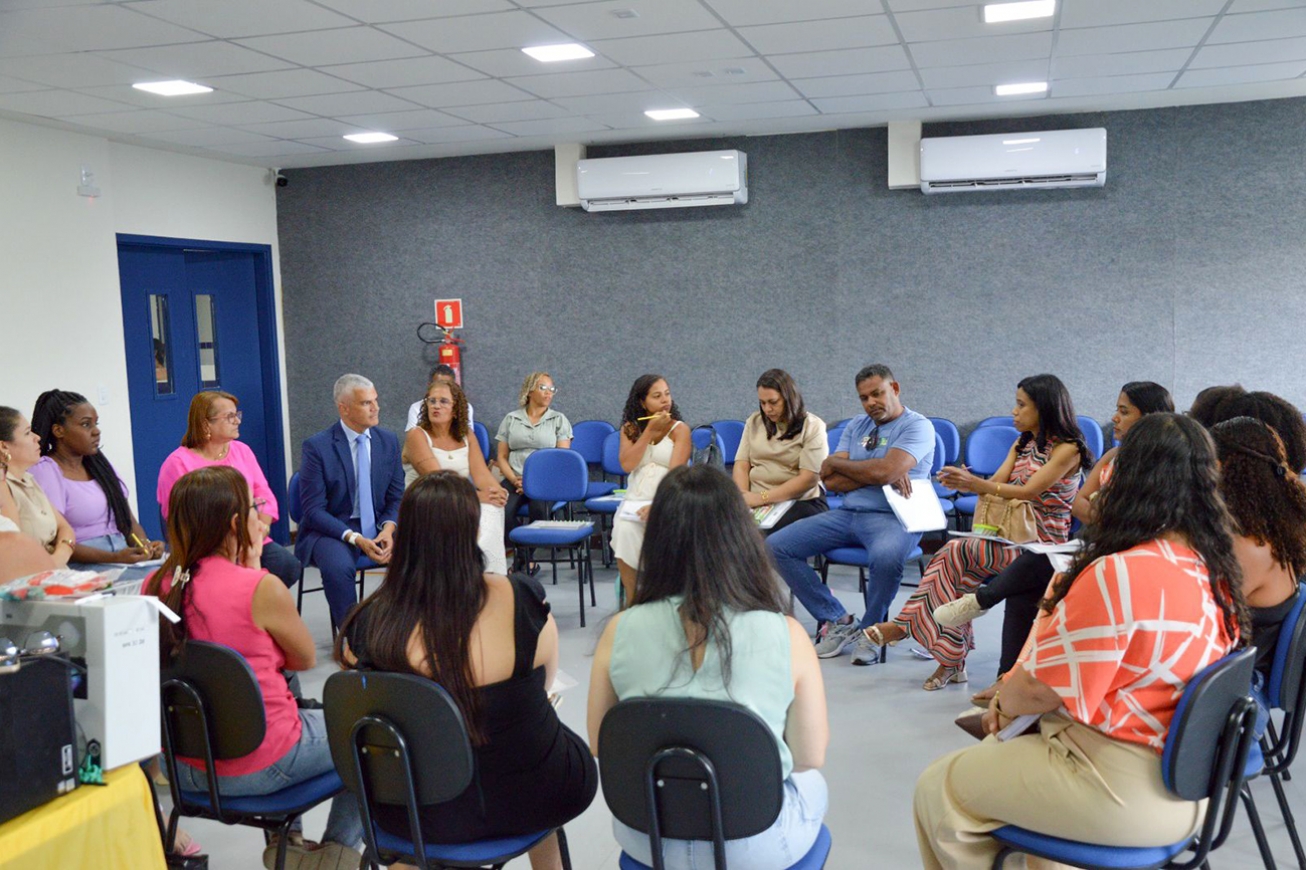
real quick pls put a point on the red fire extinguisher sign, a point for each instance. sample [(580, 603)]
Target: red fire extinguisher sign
[(449, 313)]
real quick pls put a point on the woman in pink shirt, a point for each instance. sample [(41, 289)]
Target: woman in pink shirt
[(213, 580), (212, 430)]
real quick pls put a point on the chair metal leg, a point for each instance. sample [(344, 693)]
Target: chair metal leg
[(580, 588), (589, 571), (562, 849), (1001, 858), (1258, 830), (1289, 821)]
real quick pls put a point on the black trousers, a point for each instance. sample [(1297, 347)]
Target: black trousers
[(800, 511), (1022, 585), (539, 510)]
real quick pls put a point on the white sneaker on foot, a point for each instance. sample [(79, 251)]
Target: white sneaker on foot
[(835, 636), (959, 612)]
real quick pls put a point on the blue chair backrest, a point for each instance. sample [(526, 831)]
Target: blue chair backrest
[(294, 502), (1004, 420), (939, 454), (1092, 435), (555, 474), (483, 438), (986, 448), (731, 432), (834, 433), (1289, 657), (1192, 742), (951, 436), (704, 436), (612, 456), (587, 439)]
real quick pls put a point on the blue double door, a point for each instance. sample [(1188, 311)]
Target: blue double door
[(199, 316)]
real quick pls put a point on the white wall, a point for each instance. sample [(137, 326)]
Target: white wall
[(60, 309)]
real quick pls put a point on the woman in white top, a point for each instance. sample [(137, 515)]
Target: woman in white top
[(443, 440), (653, 442)]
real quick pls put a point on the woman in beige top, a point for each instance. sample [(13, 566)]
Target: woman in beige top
[(22, 500), (781, 452)]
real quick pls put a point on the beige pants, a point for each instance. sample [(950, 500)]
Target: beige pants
[(1067, 780)]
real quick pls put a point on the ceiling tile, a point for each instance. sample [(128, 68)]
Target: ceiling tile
[(311, 128), (577, 84), (740, 94), (640, 121), (754, 111), (430, 70), (700, 45), (531, 110), (129, 95), (586, 21), (210, 136), (71, 70), (462, 94), (1238, 75), (14, 86), (241, 113), (1111, 85), (985, 74), (986, 49), (672, 75), (1240, 53), (355, 103), (27, 46), (283, 83), (478, 32), (1133, 37), (870, 103), (848, 86), (963, 96), (55, 104), (961, 23), (739, 13), (197, 60), (231, 18), (1100, 13), (1261, 5), (419, 119), (322, 47), (846, 62), (1263, 25), (139, 122), (917, 5), (614, 104), (1096, 65), (471, 133), (505, 62), (823, 35), (550, 128), (92, 28), (273, 148), (382, 11)]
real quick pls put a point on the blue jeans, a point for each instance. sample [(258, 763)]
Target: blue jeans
[(806, 798), (113, 543), (879, 533), (309, 758)]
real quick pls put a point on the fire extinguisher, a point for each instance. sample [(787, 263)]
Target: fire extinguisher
[(450, 350)]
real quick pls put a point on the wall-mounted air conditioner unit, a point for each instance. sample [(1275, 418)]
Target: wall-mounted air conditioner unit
[(1014, 161), (663, 181)]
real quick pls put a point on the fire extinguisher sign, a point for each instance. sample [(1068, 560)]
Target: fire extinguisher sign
[(449, 313)]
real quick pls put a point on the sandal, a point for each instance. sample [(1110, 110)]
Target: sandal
[(943, 676), (875, 636)]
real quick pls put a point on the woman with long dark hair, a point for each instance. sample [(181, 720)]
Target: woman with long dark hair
[(213, 580), (1152, 599), (82, 485), (708, 621), (1043, 467), (653, 441), (492, 644), (1278, 413), (781, 452)]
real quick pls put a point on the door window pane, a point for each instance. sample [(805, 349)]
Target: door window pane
[(162, 350), (207, 336)]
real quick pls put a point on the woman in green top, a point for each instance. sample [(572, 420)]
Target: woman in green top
[(533, 426)]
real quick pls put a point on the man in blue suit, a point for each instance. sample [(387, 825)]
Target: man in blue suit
[(340, 518)]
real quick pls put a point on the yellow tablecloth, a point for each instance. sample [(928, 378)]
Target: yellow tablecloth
[(110, 826)]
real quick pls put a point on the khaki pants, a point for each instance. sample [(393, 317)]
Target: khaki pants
[(1067, 780)]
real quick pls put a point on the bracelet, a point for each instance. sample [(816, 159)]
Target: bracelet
[(766, 496), (72, 545)]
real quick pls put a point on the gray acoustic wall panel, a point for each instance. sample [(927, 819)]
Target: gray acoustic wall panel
[(1185, 269)]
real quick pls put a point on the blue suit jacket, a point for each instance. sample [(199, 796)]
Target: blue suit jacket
[(326, 485)]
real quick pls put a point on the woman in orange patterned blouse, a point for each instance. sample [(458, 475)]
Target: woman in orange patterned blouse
[(1106, 686)]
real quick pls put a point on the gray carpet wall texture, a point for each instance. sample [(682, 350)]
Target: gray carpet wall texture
[(1186, 269)]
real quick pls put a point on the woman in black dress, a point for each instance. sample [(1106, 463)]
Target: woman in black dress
[(491, 643)]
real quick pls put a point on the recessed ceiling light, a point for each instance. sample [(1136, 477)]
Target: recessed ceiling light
[(624, 13), (552, 53), (995, 13), (1022, 88), (371, 138), (671, 114), (176, 88)]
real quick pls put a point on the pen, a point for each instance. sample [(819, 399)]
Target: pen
[(138, 543), (649, 417)]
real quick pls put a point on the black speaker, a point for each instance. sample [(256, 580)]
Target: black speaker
[(38, 739)]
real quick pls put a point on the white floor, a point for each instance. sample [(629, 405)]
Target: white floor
[(885, 730)]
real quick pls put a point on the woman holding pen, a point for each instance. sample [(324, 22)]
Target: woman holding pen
[(653, 442)]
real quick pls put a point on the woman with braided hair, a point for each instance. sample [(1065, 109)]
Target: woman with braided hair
[(82, 485)]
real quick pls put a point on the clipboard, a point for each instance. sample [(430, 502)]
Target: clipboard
[(768, 515), (921, 512)]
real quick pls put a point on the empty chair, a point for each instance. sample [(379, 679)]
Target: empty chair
[(1092, 434), (730, 432), (986, 449), (482, 438), (703, 436), (587, 438), (1001, 420), (555, 474), (951, 437)]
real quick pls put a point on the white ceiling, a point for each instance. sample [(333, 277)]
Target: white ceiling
[(448, 77)]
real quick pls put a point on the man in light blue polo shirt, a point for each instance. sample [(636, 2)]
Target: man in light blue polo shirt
[(890, 445)]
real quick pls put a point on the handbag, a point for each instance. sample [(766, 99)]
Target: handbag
[(1009, 518)]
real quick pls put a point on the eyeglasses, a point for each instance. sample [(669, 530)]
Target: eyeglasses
[(258, 503), (439, 403), (233, 417), (547, 388)]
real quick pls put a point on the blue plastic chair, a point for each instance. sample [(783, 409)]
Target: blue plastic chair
[(731, 432), (1004, 420), (400, 739), (1206, 750), (832, 436), (986, 449), (561, 475), (605, 507), (703, 436), (587, 439), (1092, 435), (295, 508), (951, 436), (483, 439), (858, 558)]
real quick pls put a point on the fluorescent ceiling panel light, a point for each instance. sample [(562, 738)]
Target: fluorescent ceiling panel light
[(371, 138), (671, 114), (552, 53), (1022, 88), (995, 13), (176, 88)]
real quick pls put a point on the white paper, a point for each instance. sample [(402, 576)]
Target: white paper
[(559, 524), (982, 537), (562, 681), (629, 509), (1017, 726), (1074, 545), (768, 515), (921, 512), (1060, 562)]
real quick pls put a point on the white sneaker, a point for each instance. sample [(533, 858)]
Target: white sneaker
[(835, 637), (865, 652), (959, 612)]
